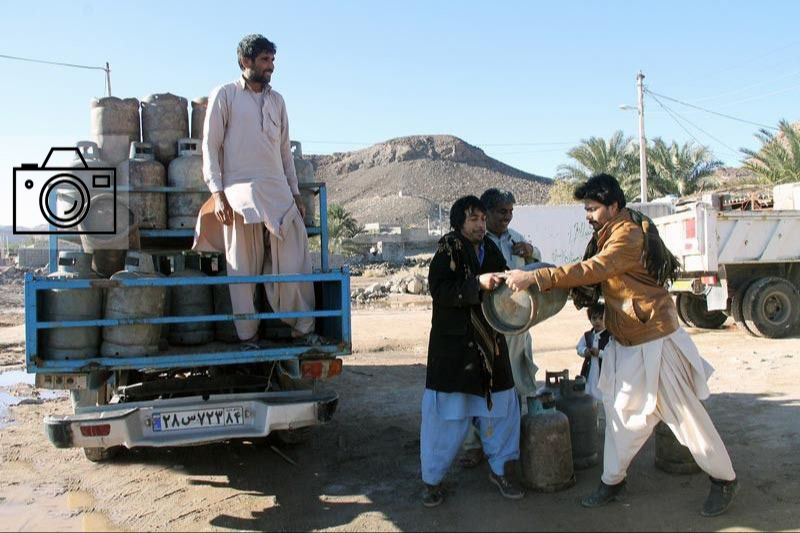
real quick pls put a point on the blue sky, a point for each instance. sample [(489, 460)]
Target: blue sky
[(523, 80)]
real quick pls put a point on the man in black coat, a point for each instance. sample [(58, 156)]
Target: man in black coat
[(469, 379)]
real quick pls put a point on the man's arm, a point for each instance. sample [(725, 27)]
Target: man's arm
[(213, 135), (286, 152), (448, 288)]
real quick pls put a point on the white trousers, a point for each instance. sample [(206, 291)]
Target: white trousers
[(245, 246), (660, 380)]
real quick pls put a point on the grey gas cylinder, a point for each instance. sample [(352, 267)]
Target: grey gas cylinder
[(513, 313), (61, 305), (141, 171), (186, 172), (191, 300), (581, 411), (115, 125), (671, 455), (133, 302), (199, 106), (305, 174), (545, 447), (552, 383), (165, 121)]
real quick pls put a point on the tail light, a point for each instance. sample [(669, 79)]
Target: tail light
[(320, 368), (102, 430), (710, 280)]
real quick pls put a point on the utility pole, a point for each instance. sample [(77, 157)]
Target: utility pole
[(108, 77), (642, 140)]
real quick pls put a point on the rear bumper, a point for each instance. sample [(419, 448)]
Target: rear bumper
[(142, 423)]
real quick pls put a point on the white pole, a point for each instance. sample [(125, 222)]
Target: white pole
[(642, 140), (108, 77)]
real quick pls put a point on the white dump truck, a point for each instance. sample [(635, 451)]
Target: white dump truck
[(740, 257)]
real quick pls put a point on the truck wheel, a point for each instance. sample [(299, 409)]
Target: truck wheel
[(697, 313), (736, 309), (680, 302), (98, 455), (770, 307), (293, 436)]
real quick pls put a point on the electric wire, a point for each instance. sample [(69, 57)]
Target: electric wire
[(651, 93)]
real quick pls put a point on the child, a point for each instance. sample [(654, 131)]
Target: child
[(591, 346)]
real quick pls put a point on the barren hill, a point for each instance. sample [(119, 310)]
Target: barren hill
[(429, 170)]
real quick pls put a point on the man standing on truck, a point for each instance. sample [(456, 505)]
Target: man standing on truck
[(469, 380), (651, 368), (255, 189), (517, 252)]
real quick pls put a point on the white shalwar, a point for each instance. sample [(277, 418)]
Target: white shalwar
[(664, 379)]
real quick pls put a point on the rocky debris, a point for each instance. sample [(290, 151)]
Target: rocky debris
[(430, 170), (16, 276), (401, 284)]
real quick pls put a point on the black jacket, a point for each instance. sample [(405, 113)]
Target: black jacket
[(605, 336), (454, 360)]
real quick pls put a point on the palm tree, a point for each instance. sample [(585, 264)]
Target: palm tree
[(342, 227), (617, 157), (778, 160), (680, 170)]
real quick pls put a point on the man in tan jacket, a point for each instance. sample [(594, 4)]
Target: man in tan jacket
[(651, 370)]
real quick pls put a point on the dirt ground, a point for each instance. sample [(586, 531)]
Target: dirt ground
[(360, 472)]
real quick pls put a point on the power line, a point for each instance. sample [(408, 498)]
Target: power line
[(742, 89), (675, 114), (53, 63), (753, 58), (709, 111)]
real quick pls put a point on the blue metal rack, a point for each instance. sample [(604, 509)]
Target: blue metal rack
[(332, 313)]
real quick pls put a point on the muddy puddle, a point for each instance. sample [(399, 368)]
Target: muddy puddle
[(11, 380), (44, 509)]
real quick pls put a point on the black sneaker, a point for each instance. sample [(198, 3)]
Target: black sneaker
[(719, 497), (433, 495), (507, 488), (605, 494)]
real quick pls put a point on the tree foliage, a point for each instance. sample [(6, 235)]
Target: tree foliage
[(778, 159)]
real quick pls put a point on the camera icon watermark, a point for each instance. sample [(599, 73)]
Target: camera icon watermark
[(78, 199)]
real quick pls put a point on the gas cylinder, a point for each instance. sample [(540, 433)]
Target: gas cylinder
[(133, 302), (671, 455), (165, 121), (305, 174), (199, 106), (61, 305), (513, 313), (186, 172), (191, 300), (552, 383), (140, 171), (545, 448), (581, 411), (115, 125)]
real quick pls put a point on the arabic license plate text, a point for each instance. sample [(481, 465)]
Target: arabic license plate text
[(198, 418)]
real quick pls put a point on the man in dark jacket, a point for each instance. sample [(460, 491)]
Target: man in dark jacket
[(469, 379)]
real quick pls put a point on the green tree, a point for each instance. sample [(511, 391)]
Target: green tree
[(680, 170), (616, 156), (561, 192), (342, 227), (778, 160)]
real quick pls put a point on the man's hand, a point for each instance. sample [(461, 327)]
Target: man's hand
[(298, 199), (490, 282), (522, 249), (222, 209), (519, 280)]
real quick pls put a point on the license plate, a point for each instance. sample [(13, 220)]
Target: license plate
[(198, 418)]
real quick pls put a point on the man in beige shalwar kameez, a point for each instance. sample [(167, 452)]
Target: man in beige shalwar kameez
[(256, 213), (651, 368)]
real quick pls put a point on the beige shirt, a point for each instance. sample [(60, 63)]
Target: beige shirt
[(252, 129)]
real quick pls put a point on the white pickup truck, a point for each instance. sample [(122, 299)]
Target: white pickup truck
[(740, 258)]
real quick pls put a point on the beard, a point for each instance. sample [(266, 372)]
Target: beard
[(263, 77)]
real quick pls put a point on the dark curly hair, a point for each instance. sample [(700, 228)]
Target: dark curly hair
[(595, 310), (603, 188), (253, 45), (458, 213)]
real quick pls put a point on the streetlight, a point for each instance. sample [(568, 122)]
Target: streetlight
[(400, 194)]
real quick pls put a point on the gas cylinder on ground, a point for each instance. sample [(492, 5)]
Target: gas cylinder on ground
[(545, 448), (141, 171), (61, 305), (513, 313), (133, 302), (581, 411), (115, 125), (186, 172), (191, 300), (552, 383), (305, 174), (199, 106), (671, 455), (165, 121)]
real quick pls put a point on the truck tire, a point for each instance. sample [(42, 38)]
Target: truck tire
[(680, 302), (697, 313), (292, 437), (736, 309), (770, 307)]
